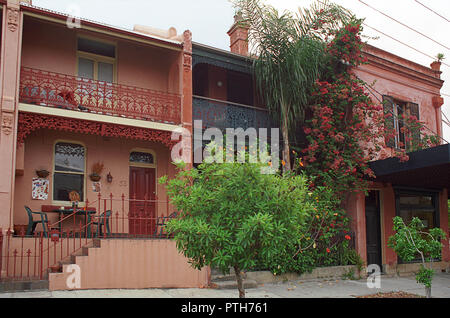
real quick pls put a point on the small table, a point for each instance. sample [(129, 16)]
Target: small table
[(79, 211)]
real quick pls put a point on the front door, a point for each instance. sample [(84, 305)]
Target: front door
[(142, 214), (373, 229)]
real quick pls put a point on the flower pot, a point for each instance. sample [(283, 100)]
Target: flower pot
[(436, 66), (42, 173), (20, 229), (95, 177), (55, 268)]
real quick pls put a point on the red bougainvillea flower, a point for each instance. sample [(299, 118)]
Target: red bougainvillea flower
[(328, 250), (347, 237)]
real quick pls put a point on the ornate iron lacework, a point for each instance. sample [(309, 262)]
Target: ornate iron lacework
[(29, 122), (223, 115), (75, 93), (141, 157), (68, 149)]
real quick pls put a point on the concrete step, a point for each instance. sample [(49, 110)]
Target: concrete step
[(71, 259), (225, 277), (228, 280), (83, 251), (228, 284), (16, 286), (218, 275)]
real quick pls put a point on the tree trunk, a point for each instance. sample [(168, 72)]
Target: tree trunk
[(286, 148), (428, 292), (240, 283)]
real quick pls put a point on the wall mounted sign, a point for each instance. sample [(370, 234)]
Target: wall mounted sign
[(96, 186), (40, 189)]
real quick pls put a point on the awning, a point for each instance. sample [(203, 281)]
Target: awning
[(428, 168)]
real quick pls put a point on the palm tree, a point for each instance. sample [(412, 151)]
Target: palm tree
[(290, 54)]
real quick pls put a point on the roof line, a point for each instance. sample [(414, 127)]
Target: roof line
[(99, 25), (222, 51)]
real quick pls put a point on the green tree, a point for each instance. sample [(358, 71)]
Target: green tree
[(290, 53), (410, 240), (232, 214)]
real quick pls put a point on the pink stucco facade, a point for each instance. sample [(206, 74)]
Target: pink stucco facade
[(143, 65), (149, 73), (113, 152), (405, 81), (137, 64)]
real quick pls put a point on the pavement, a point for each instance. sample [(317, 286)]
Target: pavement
[(289, 289)]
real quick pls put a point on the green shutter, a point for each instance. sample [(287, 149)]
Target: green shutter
[(414, 111), (388, 107)]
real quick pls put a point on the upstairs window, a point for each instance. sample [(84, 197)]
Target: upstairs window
[(397, 110), (96, 60), (69, 170)]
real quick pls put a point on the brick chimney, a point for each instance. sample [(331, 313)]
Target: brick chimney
[(238, 34)]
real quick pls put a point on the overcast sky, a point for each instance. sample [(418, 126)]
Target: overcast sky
[(209, 20)]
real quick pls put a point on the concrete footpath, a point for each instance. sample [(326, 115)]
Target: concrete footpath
[(289, 289)]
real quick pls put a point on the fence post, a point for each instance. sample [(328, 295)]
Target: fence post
[(41, 256)]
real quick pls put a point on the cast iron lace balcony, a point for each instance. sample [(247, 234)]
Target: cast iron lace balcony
[(75, 93), (222, 114)]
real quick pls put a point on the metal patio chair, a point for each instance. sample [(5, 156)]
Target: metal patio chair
[(103, 222), (161, 224), (32, 223)]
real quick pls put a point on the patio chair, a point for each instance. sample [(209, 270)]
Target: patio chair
[(32, 223), (103, 222), (161, 224)]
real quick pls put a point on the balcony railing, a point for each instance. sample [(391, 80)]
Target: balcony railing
[(222, 114), (75, 93)]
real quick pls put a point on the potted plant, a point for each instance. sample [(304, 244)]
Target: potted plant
[(20, 229), (97, 169), (436, 65), (42, 173)]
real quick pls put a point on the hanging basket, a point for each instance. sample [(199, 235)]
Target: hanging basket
[(42, 173), (95, 177)]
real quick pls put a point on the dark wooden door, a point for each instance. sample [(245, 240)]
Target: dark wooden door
[(373, 229), (142, 214)]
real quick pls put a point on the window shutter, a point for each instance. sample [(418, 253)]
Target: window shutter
[(388, 108), (414, 111)]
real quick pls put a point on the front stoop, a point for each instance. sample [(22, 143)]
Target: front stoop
[(228, 281), (57, 277), (129, 264), (54, 271)]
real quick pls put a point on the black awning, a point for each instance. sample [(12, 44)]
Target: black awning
[(428, 168)]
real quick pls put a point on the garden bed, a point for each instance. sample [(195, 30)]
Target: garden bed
[(341, 272)]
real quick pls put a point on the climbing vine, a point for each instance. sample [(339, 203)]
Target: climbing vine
[(348, 128)]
